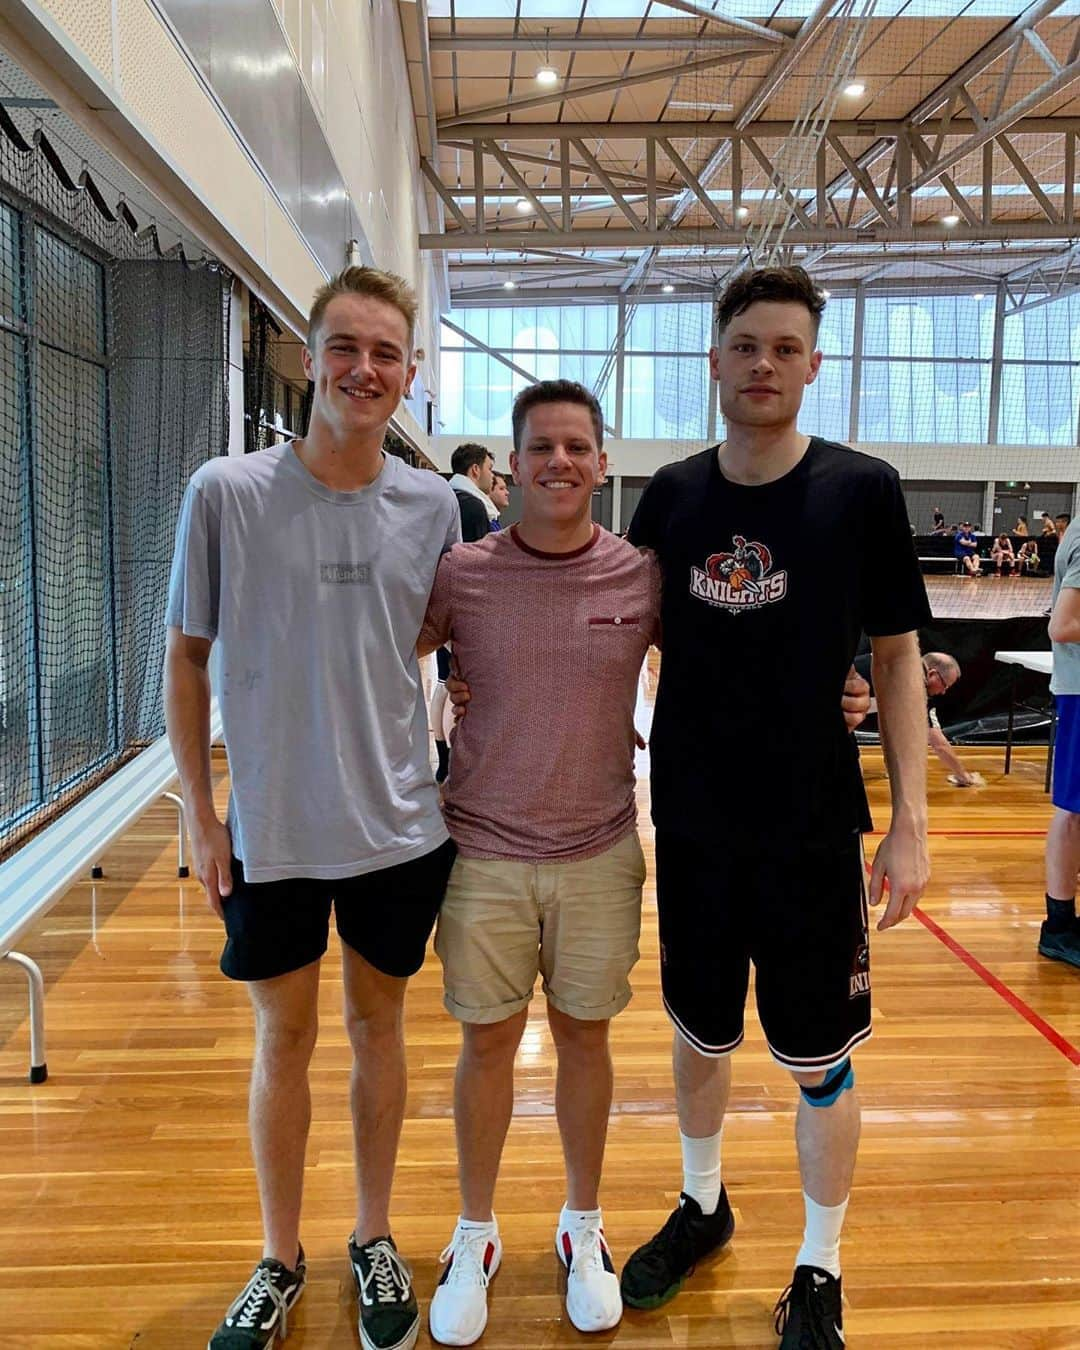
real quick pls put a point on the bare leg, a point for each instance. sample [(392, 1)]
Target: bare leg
[(702, 1088), (279, 1111), (828, 1140), (374, 1006), (1062, 854), (583, 1088), (483, 1106)]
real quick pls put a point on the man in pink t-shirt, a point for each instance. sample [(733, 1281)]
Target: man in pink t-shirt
[(549, 623)]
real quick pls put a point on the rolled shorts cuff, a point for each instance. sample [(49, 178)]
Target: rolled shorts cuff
[(599, 1013), (483, 1017)]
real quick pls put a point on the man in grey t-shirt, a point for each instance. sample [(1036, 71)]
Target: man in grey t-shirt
[(310, 566), (1059, 937)]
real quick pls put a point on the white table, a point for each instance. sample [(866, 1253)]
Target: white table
[(1043, 663)]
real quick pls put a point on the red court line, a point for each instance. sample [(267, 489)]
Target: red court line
[(974, 834), (1071, 1053)]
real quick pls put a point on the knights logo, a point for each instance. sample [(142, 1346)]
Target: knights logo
[(860, 975), (739, 580)]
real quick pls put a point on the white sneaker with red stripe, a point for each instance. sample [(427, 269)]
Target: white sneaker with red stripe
[(458, 1312), (593, 1301)]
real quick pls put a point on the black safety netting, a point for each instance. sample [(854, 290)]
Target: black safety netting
[(113, 390)]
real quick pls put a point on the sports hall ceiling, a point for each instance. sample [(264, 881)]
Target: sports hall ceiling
[(674, 140)]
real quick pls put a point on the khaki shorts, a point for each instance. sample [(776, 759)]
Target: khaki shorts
[(575, 923)]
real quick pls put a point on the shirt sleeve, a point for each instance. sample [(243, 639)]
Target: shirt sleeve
[(436, 627), (654, 585), (894, 594), (195, 579), (1071, 575)]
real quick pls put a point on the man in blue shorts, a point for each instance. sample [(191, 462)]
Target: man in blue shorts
[(310, 565), (1059, 937), (752, 864)]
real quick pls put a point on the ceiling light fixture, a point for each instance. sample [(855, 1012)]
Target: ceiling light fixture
[(978, 296), (855, 89), (667, 287), (827, 294), (950, 222), (509, 285), (701, 105), (742, 213), (522, 206), (547, 74)]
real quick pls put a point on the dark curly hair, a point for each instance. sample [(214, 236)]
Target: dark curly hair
[(791, 284)]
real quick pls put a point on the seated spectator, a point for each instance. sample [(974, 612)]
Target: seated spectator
[(966, 551), (1001, 555), (1027, 560), (939, 521), (1021, 526)]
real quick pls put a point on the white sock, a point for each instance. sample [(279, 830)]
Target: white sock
[(821, 1236), (477, 1225), (574, 1218), (701, 1170)]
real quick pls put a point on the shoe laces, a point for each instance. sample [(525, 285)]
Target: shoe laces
[(257, 1304), (800, 1294), (588, 1249), (465, 1251), (388, 1273)]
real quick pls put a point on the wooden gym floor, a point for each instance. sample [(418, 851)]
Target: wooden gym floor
[(129, 1215)]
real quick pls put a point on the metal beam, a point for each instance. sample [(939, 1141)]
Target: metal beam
[(769, 35), (571, 42), (771, 130), (623, 237), (775, 77), (523, 187), (605, 182), (984, 57), (636, 180), (996, 125), (564, 94)]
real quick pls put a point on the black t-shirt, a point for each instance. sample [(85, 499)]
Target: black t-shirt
[(766, 591)]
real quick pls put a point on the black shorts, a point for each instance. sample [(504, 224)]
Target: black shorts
[(442, 662), (274, 927), (800, 916)]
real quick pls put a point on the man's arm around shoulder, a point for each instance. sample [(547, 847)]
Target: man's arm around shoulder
[(187, 721)]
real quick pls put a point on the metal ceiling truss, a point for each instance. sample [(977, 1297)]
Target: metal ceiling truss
[(846, 209)]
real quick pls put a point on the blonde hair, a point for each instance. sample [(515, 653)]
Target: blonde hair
[(370, 282)]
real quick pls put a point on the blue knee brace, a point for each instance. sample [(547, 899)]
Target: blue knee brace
[(836, 1081)]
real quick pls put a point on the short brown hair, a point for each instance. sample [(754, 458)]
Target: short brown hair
[(769, 283), (376, 285), (468, 454), (556, 391)]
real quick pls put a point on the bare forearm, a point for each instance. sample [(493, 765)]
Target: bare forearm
[(947, 754), (187, 721), (901, 698)]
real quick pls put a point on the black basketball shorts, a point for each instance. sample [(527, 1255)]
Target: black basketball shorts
[(798, 914), (274, 927)]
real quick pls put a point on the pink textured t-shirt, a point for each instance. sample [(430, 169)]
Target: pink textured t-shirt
[(550, 645)]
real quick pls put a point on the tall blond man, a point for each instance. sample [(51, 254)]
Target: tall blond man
[(310, 565)]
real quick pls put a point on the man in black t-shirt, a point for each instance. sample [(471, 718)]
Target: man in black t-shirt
[(777, 551)]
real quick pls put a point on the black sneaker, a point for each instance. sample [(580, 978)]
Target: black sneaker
[(1060, 946), (656, 1271), (809, 1314), (389, 1317), (261, 1313)]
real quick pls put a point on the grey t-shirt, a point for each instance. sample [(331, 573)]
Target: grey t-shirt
[(315, 599), (1066, 676)]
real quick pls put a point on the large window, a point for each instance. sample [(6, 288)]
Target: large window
[(925, 371), (568, 342), (1040, 375)]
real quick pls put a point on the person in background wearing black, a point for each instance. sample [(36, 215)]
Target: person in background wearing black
[(939, 521), (473, 468), (754, 865), (1002, 556)]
